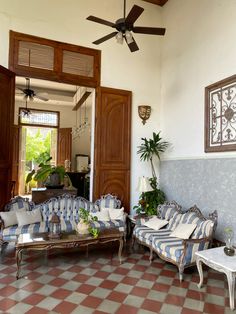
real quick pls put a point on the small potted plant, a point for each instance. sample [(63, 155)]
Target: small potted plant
[(84, 227)]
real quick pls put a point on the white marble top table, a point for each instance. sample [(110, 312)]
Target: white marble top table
[(218, 260)]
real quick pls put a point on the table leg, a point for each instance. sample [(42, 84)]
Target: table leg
[(231, 285), (120, 250), (18, 261), (199, 267)]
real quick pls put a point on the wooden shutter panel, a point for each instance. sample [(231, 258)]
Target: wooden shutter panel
[(7, 89), (77, 63), (36, 55)]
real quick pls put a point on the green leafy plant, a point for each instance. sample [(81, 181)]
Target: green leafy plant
[(152, 147), (87, 218), (45, 171), (147, 150)]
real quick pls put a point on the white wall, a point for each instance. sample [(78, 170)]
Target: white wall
[(198, 49), (66, 21)]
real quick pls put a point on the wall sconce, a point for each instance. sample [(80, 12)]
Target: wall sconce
[(144, 112)]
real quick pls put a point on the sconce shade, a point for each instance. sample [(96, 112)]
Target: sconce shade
[(119, 38), (129, 37), (144, 112), (144, 185)]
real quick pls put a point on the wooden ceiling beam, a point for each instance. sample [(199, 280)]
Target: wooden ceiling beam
[(157, 2)]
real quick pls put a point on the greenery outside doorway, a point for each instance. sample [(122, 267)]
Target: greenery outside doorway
[(37, 145)]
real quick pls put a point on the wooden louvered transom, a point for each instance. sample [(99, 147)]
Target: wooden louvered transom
[(48, 59), (77, 63), (36, 55)]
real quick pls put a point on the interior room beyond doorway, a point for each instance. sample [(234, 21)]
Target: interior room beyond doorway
[(74, 115)]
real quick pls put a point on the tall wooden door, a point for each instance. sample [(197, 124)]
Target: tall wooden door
[(7, 93), (15, 157), (112, 144), (64, 145)]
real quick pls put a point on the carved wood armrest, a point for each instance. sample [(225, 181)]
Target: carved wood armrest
[(195, 241)]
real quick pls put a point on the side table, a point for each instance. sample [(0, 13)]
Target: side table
[(217, 260), (132, 221)]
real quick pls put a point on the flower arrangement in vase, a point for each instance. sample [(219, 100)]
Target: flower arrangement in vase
[(84, 227)]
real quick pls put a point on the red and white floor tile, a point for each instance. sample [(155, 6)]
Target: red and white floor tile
[(69, 282)]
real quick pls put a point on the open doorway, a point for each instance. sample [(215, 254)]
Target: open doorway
[(38, 144), (73, 115)]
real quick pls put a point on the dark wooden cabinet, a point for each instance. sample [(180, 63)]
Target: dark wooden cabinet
[(42, 195), (80, 181)]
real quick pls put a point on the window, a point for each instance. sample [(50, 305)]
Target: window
[(39, 118), (220, 116)]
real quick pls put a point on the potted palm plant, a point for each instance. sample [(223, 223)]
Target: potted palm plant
[(148, 149), (49, 175)]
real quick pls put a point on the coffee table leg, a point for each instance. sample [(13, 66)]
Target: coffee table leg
[(231, 285), (199, 267), (18, 261), (120, 250)]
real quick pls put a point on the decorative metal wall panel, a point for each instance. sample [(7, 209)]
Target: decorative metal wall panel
[(220, 120)]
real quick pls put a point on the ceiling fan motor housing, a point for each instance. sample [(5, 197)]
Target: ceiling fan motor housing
[(123, 26)]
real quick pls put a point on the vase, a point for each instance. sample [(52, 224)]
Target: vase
[(83, 227), (229, 238)]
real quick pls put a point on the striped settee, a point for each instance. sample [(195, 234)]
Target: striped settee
[(66, 207), (175, 250)]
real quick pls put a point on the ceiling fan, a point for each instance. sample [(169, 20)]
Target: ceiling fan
[(30, 94), (124, 26)]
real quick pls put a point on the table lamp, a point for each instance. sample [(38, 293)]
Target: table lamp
[(143, 186)]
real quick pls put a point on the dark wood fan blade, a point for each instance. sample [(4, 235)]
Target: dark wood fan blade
[(21, 89), (134, 14), (81, 101), (132, 46), (41, 97), (101, 40), (100, 21), (149, 30)]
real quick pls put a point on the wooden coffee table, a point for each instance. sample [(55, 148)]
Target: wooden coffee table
[(41, 242)]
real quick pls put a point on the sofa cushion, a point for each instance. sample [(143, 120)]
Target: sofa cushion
[(68, 225), (174, 221), (9, 218), (28, 217), (116, 213), (32, 228), (66, 208), (155, 223), (102, 215), (146, 235), (183, 231), (204, 229), (101, 225), (167, 210)]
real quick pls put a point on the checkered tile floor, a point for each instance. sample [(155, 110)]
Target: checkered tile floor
[(69, 282)]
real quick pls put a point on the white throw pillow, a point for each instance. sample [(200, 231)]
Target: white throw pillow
[(9, 218), (116, 213), (29, 217), (155, 223), (183, 231), (102, 215)]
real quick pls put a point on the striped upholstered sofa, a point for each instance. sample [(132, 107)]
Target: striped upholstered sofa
[(65, 206), (173, 249)]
